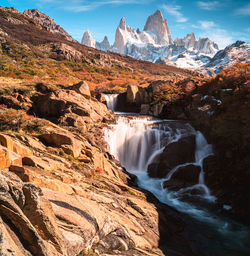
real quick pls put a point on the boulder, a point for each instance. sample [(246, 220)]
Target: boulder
[(10, 210), (210, 168), (184, 176), (25, 211), (10, 102), (132, 91), (82, 88), (66, 141), (45, 163), (60, 103), (157, 109), (21, 172), (39, 212), (175, 153)]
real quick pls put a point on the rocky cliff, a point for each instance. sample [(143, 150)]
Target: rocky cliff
[(47, 22), (157, 26), (88, 40)]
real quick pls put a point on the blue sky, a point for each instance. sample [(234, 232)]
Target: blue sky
[(223, 21)]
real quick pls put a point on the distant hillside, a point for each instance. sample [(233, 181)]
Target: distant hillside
[(30, 51)]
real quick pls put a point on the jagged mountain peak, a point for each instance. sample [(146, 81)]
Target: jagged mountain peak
[(88, 40), (105, 39), (157, 14), (156, 25), (104, 45), (191, 35), (122, 24), (155, 44)]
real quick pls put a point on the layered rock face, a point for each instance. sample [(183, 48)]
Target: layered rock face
[(47, 22)]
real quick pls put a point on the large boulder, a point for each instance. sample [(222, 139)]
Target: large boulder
[(39, 212), (175, 153), (60, 103), (184, 176), (82, 88)]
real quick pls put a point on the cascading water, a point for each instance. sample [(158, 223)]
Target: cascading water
[(136, 142), (111, 100)]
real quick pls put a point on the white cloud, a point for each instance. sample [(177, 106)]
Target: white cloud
[(219, 36), (244, 11), (204, 24), (208, 5), (174, 10)]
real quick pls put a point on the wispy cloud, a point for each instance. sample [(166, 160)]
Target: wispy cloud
[(204, 24), (87, 5), (208, 5), (244, 11), (220, 36), (174, 10)]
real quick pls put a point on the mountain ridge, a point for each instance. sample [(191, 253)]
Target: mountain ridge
[(47, 22), (155, 44)]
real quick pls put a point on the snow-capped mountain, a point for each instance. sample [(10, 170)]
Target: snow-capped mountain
[(155, 44), (237, 52), (104, 45), (88, 40)]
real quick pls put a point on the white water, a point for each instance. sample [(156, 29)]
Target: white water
[(136, 142), (111, 100)]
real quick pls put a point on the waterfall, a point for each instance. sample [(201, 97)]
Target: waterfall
[(136, 142), (111, 100)]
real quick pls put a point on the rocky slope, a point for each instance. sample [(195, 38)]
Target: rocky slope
[(62, 193), (232, 54), (47, 22)]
